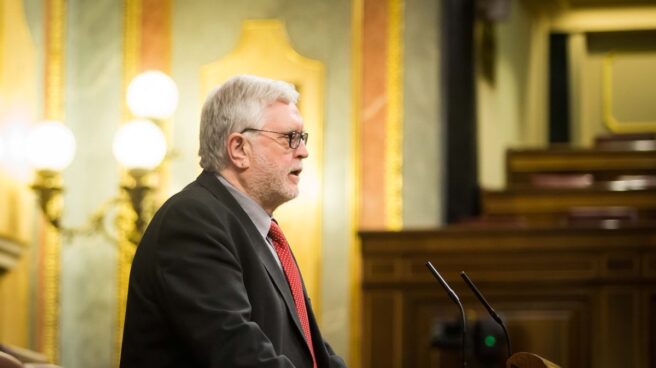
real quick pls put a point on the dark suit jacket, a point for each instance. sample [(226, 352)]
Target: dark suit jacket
[(205, 291)]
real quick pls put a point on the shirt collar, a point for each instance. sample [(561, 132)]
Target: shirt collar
[(255, 212)]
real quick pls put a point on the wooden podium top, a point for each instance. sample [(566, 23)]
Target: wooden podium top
[(529, 360)]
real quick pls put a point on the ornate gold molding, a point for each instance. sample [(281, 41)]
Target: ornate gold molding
[(10, 252), (614, 124), (355, 264), (146, 46), (394, 122), (53, 109), (132, 13), (54, 75), (131, 45), (50, 289)]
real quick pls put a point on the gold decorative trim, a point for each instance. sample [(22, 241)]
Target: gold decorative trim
[(53, 109), (51, 276), (131, 46), (602, 18), (394, 122), (131, 53), (54, 75), (355, 339), (11, 241), (611, 121)]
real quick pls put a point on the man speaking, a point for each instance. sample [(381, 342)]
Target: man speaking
[(214, 282)]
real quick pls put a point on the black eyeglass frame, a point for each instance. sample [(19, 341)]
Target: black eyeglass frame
[(294, 137)]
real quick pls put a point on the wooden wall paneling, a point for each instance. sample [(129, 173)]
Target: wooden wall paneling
[(551, 206), (550, 321), (579, 297), (645, 313), (603, 164), (426, 308), (621, 265), (383, 315), (620, 328), (649, 265), (651, 318), (545, 332)]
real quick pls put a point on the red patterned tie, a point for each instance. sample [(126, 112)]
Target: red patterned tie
[(294, 280)]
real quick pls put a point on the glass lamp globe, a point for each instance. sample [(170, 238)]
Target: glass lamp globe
[(139, 144), (2, 148), (152, 94), (50, 145)]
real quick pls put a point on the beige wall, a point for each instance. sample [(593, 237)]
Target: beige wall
[(513, 110), (17, 109), (422, 125), (15, 290), (631, 57), (511, 106)]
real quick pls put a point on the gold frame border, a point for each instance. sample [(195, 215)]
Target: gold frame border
[(54, 84), (393, 174), (55, 15), (132, 15), (355, 203), (611, 121), (394, 121)]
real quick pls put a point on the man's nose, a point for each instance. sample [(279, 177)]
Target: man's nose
[(301, 150)]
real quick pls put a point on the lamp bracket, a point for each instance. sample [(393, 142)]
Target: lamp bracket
[(49, 191)]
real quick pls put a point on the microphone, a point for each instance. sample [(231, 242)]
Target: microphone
[(487, 306), (455, 299)]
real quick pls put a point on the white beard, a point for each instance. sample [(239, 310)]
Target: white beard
[(270, 185)]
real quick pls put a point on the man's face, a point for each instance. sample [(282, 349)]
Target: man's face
[(276, 167)]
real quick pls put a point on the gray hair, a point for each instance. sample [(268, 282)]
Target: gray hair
[(237, 104)]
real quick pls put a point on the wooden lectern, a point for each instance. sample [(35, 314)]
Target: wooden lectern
[(529, 360)]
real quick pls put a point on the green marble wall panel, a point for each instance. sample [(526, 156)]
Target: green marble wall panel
[(92, 110), (422, 129)]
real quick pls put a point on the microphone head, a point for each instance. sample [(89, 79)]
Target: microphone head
[(452, 294), (480, 297)]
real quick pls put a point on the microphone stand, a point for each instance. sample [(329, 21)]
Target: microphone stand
[(455, 299), (487, 306)]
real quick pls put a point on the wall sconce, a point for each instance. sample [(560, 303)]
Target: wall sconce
[(139, 146), (152, 94), (50, 149)]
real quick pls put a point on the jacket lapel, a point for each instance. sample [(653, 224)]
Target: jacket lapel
[(210, 182), (280, 281)]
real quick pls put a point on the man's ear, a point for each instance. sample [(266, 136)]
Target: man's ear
[(238, 150)]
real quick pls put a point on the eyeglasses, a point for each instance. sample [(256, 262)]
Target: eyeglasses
[(294, 137)]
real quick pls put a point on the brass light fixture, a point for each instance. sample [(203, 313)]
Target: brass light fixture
[(139, 146), (50, 149)]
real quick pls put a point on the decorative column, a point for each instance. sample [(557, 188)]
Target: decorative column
[(146, 46), (378, 133), (48, 337), (380, 115)]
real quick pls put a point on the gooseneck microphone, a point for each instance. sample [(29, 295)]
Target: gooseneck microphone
[(487, 306), (456, 300)]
